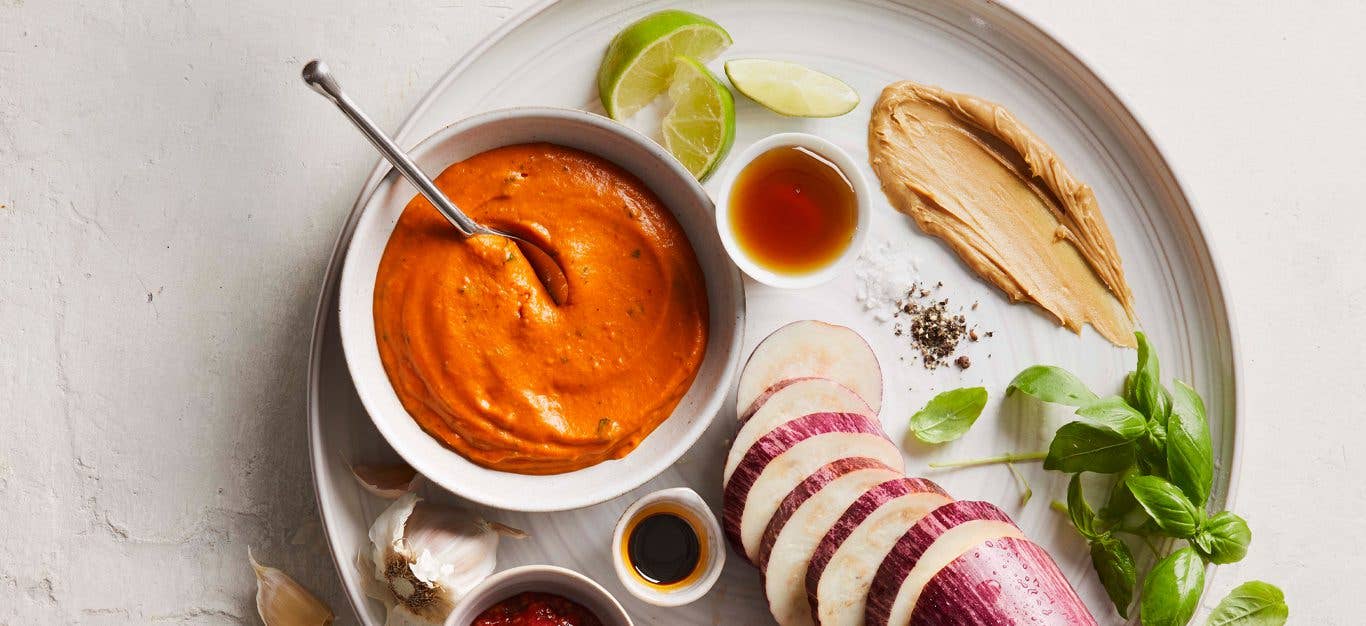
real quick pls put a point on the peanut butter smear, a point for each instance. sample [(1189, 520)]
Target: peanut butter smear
[(972, 175)]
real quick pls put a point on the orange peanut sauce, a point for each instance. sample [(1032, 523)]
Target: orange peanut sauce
[(484, 360)]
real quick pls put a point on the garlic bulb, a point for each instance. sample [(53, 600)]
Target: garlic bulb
[(282, 602), (387, 481), (423, 558)]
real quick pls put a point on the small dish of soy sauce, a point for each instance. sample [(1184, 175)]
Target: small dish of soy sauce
[(667, 548)]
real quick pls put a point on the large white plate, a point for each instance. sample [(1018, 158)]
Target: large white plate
[(549, 55)]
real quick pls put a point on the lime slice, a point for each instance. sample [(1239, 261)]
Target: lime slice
[(700, 127), (791, 89), (640, 59)]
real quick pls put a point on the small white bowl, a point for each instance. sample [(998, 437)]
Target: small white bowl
[(545, 578), (836, 156), (674, 186), (713, 551)]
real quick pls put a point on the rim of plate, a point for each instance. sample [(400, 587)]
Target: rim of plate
[(1070, 57), (1146, 140), (412, 444)]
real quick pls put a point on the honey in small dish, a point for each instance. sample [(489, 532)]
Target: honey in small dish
[(663, 546), (793, 211)]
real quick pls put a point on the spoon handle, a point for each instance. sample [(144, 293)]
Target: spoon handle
[(320, 78)]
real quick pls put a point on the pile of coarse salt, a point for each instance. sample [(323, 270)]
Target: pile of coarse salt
[(884, 275)]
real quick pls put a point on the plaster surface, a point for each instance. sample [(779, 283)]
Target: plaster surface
[(170, 192)]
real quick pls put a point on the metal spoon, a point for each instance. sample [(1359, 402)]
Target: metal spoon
[(551, 275)]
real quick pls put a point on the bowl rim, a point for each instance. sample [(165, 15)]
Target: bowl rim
[(465, 608), (452, 474), (842, 161)]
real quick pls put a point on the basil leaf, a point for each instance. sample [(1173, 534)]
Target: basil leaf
[(1152, 450), (1157, 436), (1190, 454), (1115, 566), (1164, 406), (1166, 505), (1225, 538), (1253, 603), (1172, 590), (1121, 500), (1052, 384), (1114, 414), (1077, 509), (1083, 447), (948, 415), (1202, 542), (1147, 382)]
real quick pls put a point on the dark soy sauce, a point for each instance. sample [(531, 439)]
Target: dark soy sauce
[(664, 549)]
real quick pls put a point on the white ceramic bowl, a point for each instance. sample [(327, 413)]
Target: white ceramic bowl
[(713, 550), (675, 188), (840, 159), (547, 578)]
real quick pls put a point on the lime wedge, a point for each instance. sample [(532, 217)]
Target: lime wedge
[(640, 60), (791, 89), (700, 127)]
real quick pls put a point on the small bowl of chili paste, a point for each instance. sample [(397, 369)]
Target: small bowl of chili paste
[(538, 595)]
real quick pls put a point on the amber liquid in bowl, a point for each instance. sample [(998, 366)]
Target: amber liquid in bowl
[(792, 211)]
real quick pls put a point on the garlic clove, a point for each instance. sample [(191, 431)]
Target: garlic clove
[(387, 481), (280, 601), (386, 534), (407, 597), (424, 557), (454, 548)]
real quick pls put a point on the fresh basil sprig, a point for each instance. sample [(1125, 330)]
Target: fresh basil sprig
[(1171, 592), (1157, 444), (948, 415), (1253, 603), (1223, 539)]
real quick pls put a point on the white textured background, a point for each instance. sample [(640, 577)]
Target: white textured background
[(171, 192)]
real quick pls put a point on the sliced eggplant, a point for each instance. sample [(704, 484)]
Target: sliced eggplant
[(805, 516), (843, 564), (783, 458), (932, 543), (798, 399), (1001, 582), (810, 348)]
